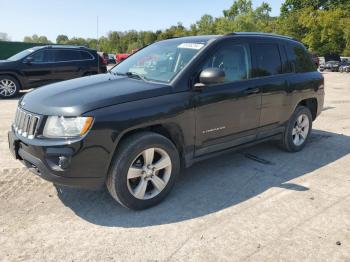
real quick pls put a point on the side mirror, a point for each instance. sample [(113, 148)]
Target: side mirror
[(28, 60), (211, 76)]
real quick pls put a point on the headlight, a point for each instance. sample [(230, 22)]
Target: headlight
[(59, 126)]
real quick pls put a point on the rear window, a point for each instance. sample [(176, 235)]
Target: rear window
[(267, 60), (300, 59)]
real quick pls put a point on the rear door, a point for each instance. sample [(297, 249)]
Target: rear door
[(271, 68), (68, 64)]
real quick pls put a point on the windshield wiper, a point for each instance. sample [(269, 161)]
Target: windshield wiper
[(132, 75)]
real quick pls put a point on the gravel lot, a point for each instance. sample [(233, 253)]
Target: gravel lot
[(292, 207)]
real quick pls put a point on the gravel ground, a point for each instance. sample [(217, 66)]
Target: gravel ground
[(289, 207)]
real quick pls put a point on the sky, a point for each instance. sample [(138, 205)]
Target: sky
[(79, 18)]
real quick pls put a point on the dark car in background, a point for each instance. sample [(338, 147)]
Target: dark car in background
[(344, 66), (44, 65), (332, 66), (169, 105)]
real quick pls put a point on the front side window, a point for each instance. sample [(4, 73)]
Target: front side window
[(44, 56), (233, 59), (161, 61), (267, 60)]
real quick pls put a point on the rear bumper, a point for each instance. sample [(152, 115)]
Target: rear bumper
[(32, 158)]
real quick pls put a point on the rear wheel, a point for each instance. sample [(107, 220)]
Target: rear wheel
[(298, 130), (9, 86), (144, 170)]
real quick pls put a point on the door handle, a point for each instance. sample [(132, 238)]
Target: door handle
[(251, 91)]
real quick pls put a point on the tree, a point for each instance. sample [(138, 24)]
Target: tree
[(36, 39), (62, 39), (322, 25), (295, 5), (206, 25)]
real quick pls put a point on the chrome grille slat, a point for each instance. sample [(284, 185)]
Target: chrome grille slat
[(26, 124)]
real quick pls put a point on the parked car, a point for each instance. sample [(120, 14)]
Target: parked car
[(121, 57), (43, 65), (111, 59), (344, 66), (332, 66), (171, 104)]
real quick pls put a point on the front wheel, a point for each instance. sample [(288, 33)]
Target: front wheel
[(297, 130), (144, 170)]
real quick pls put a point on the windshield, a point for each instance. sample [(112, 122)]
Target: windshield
[(21, 55), (161, 61)]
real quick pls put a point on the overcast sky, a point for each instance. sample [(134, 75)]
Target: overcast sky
[(21, 18)]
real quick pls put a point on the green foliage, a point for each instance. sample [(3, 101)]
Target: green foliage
[(322, 25), (36, 39)]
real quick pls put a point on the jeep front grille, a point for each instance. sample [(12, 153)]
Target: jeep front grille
[(26, 124)]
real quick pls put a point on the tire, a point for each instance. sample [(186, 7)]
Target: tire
[(9, 86), (124, 181), (295, 128)]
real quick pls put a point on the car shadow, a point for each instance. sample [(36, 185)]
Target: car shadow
[(215, 184)]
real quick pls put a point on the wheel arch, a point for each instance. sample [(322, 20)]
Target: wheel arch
[(169, 130), (311, 104)]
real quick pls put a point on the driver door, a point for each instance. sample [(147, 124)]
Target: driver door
[(227, 114), (39, 70)]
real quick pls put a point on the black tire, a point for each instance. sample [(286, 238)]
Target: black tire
[(3, 93), (127, 152), (287, 138)]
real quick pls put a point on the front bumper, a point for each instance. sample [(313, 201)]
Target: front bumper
[(42, 161)]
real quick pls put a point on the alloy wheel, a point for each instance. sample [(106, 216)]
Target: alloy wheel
[(149, 173), (301, 130), (7, 87)]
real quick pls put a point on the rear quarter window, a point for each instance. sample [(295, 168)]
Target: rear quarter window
[(300, 59), (86, 55)]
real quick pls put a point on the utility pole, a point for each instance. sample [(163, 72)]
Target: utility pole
[(97, 46)]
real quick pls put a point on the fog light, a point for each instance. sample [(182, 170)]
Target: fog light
[(63, 162)]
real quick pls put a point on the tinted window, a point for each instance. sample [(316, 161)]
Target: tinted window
[(85, 55), (300, 59), (268, 60), (66, 55), (234, 59), (45, 56), (38, 57)]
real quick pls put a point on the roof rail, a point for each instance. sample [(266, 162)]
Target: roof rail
[(65, 46), (261, 34)]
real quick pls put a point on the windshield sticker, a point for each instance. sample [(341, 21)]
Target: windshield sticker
[(31, 50), (191, 46)]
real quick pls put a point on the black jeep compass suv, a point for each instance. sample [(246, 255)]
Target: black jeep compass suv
[(43, 65), (167, 106)]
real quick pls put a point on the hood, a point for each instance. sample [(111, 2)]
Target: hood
[(78, 96)]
